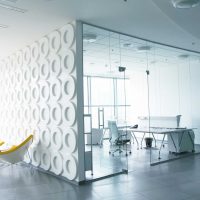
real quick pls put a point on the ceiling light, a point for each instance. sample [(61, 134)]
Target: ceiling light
[(153, 62), (185, 3), (13, 8), (183, 56), (3, 26), (127, 45), (144, 48), (89, 37)]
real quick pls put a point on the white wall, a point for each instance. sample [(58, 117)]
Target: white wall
[(174, 90), (38, 87)]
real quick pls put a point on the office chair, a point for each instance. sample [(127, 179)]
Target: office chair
[(118, 138)]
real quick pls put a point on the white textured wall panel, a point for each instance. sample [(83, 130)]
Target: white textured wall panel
[(38, 95)]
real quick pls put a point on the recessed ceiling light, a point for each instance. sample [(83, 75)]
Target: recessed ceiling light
[(185, 3), (13, 8), (144, 48), (183, 56), (127, 44), (153, 62), (3, 26), (89, 37)]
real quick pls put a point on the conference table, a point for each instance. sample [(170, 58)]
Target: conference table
[(171, 132)]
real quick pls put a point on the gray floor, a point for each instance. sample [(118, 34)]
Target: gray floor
[(176, 180), (105, 164)]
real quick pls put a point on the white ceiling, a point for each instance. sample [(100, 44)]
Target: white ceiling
[(151, 19), (103, 56)]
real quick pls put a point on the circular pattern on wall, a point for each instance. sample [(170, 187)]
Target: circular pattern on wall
[(69, 114), (56, 163), (19, 58), (45, 136), (19, 114), (44, 90), (27, 55), (70, 167), (68, 61), (55, 64), (69, 87), (36, 136), (26, 94), (35, 72), (70, 140), (35, 113), (45, 160), (55, 42), (19, 96), (44, 69), (44, 47), (27, 75), (55, 89), (26, 114), (35, 93), (56, 138), (13, 97), (44, 114), (67, 35), (12, 78), (34, 51), (56, 114), (19, 77), (35, 155)]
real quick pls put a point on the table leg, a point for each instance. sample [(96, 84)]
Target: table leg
[(173, 141), (133, 134), (182, 134), (142, 140), (161, 146), (191, 141), (154, 139)]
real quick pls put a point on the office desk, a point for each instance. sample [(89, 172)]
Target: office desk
[(171, 132)]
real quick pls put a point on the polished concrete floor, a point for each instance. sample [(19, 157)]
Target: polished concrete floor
[(178, 180), (105, 164)]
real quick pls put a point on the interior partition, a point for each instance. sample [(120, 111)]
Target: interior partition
[(39, 91), (150, 88)]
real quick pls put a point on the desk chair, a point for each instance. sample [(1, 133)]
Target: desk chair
[(118, 138)]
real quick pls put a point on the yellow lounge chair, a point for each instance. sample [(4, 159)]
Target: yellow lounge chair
[(16, 153), (1, 142)]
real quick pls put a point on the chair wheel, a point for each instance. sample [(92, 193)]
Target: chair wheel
[(109, 152), (126, 154), (130, 152)]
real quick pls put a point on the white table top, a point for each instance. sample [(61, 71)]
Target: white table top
[(159, 130)]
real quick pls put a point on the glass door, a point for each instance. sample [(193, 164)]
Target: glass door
[(105, 100)]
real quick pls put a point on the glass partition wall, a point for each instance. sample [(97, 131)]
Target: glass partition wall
[(151, 93)]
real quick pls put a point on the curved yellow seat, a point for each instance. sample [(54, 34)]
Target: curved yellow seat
[(16, 153), (1, 142)]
